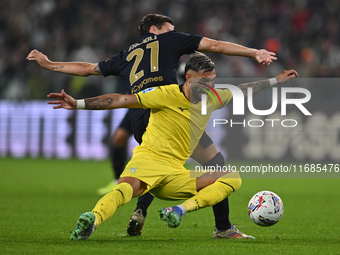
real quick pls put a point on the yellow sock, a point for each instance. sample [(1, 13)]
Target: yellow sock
[(213, 193), (108, 204)]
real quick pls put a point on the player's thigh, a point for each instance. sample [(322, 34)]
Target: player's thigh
[(205, 150), (176, 187), (147, 167)]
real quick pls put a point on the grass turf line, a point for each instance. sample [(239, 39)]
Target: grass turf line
[(41, 201)]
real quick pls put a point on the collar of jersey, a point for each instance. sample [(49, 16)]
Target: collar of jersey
[(151, 34), (181, 89)]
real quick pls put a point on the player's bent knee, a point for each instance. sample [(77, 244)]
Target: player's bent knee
[(138, 186), (233, 180), (120, 137), (237, 182)]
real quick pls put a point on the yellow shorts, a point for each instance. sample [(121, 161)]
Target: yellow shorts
[(165, 178)]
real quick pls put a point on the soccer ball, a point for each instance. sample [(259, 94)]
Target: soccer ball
[(265, 208)]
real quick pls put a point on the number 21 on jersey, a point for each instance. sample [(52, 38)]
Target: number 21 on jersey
[(139, 53)]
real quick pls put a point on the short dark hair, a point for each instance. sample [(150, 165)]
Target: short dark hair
[(153, 20), (199, 61)]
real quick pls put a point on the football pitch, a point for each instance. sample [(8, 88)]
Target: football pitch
[(41, 201)]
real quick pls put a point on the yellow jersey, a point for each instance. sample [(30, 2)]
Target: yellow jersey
[(175, 125)]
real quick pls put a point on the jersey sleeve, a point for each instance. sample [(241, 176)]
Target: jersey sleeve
[(187, 43), (151, 98), (111, 66), (225, 95)]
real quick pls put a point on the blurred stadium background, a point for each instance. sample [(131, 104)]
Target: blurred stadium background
[(304, 34)]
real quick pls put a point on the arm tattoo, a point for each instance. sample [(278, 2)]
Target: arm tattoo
[(98, 104), (257, 87), (97, 70), (57, 67)]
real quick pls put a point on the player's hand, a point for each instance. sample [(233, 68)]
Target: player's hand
[(63, 100), (265, 57), (39, 57), (286, 76)]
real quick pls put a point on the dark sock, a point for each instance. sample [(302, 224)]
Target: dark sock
[(144, 202), (221, 212), (221, 209), (118, 159)]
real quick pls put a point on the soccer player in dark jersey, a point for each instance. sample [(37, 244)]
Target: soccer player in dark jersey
[(158, 168), (152, 62)]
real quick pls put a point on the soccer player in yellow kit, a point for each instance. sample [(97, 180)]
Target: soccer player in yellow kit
[(174, 130), (148, 63)]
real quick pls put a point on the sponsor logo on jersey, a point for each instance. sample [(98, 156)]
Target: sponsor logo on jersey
[(138, 87), (148, 90)]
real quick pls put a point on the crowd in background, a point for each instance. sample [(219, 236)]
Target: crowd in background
[(303, 33)]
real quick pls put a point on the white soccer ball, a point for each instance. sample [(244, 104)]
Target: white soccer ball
[(265, 208)]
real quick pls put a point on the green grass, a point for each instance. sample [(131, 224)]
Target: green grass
[(41, 201)]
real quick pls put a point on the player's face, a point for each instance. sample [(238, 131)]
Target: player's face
[(200, 83)]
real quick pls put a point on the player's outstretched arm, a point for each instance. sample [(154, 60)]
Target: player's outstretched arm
[(73, 68), (257, 87), (232, 49), (104, 102)]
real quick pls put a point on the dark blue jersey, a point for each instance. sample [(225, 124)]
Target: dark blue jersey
[(150, 62)]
